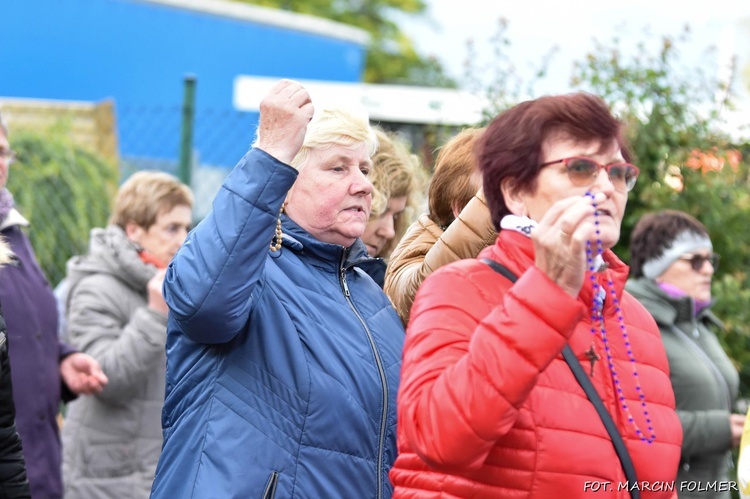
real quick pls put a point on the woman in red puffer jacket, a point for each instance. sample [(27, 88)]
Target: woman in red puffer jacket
[(488, 407)]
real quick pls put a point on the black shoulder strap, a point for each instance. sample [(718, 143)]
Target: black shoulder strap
[(593, 396)]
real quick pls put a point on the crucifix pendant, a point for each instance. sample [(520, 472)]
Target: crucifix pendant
[(593, 357)]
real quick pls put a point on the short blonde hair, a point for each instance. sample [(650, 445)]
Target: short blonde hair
[(146, 195), (396, 172), (336, 126)]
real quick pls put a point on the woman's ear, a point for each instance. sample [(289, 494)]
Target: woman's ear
[(455, 209), (514, 198), (134, 232)]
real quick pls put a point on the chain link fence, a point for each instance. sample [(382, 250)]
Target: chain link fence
[(67, 171), (73, 156)]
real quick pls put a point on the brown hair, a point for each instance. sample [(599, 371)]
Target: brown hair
[(511, 148), (146, 195), (655, 232), (456, 178), (395, 172)]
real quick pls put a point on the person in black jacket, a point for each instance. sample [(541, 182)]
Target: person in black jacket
[(13, 482)]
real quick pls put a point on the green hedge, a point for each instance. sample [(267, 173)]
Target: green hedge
[(64, 191)]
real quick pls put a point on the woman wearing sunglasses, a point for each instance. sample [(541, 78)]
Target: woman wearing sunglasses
[(491, 403), (672, 263)]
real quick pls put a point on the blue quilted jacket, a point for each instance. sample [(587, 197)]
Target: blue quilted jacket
[(282, 367)]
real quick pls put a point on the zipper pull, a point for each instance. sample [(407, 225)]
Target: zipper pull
[(344, 284)]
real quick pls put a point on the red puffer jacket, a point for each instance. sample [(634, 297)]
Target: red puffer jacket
[(487, 406)]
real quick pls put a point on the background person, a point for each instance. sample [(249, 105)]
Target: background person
[(45, 371), (13, 481), (457, 226), (283, 362), (672, 264), (396, 178), (117, 314), (487, 406)]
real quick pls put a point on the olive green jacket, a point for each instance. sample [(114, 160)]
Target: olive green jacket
[(704, 380)]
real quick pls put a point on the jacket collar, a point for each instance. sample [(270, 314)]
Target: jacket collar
[(665, 309), (14, 218), (516, 251), (111, 252), (336, 256), (428, 225)]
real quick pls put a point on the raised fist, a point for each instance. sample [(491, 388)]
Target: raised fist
[(284, 114)]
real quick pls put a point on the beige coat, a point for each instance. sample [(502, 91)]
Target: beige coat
[(425, 248)]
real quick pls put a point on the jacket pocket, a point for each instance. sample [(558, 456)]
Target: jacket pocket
[(270, 490), (109, 460)]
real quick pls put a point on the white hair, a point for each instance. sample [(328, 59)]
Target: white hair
[(342, 126)]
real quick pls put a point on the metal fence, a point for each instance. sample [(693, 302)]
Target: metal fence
[(73, 156), (68, 189)]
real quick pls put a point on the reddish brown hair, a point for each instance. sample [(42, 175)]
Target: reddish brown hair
[(456, 179), (511, 148)]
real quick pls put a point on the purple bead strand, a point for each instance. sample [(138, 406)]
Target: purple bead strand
[(597, 319)]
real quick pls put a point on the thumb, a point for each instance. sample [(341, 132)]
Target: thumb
[(99, 374)]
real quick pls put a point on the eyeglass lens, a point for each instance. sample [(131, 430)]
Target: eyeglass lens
[(697, 261), (581, 172)]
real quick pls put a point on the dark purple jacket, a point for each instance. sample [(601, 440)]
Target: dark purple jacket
[(31, 317)]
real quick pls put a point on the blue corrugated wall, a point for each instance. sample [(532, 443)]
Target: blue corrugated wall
[(138, 54)]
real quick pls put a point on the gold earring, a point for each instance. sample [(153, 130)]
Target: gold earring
[(276, 243)]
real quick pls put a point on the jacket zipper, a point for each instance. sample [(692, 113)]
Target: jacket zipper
[(270, 491), (381, 372)]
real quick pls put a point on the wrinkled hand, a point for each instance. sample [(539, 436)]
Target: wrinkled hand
[(560, 241), (284, 114), (82, 374), (155, 294), (736, 425)]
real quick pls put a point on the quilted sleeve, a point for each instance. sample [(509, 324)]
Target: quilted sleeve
[(425, 248), (474, 349), (211, 279), (406, 268)]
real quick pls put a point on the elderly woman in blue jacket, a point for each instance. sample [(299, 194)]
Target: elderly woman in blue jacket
[(283, 361)]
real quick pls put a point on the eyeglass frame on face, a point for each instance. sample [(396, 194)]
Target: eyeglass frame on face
[(9, 155), (697, 261), (582, 182)]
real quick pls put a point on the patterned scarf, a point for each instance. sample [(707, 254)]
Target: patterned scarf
[(6, 204)]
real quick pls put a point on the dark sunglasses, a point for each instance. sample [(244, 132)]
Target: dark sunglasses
[(697, 261), (583, 171)]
